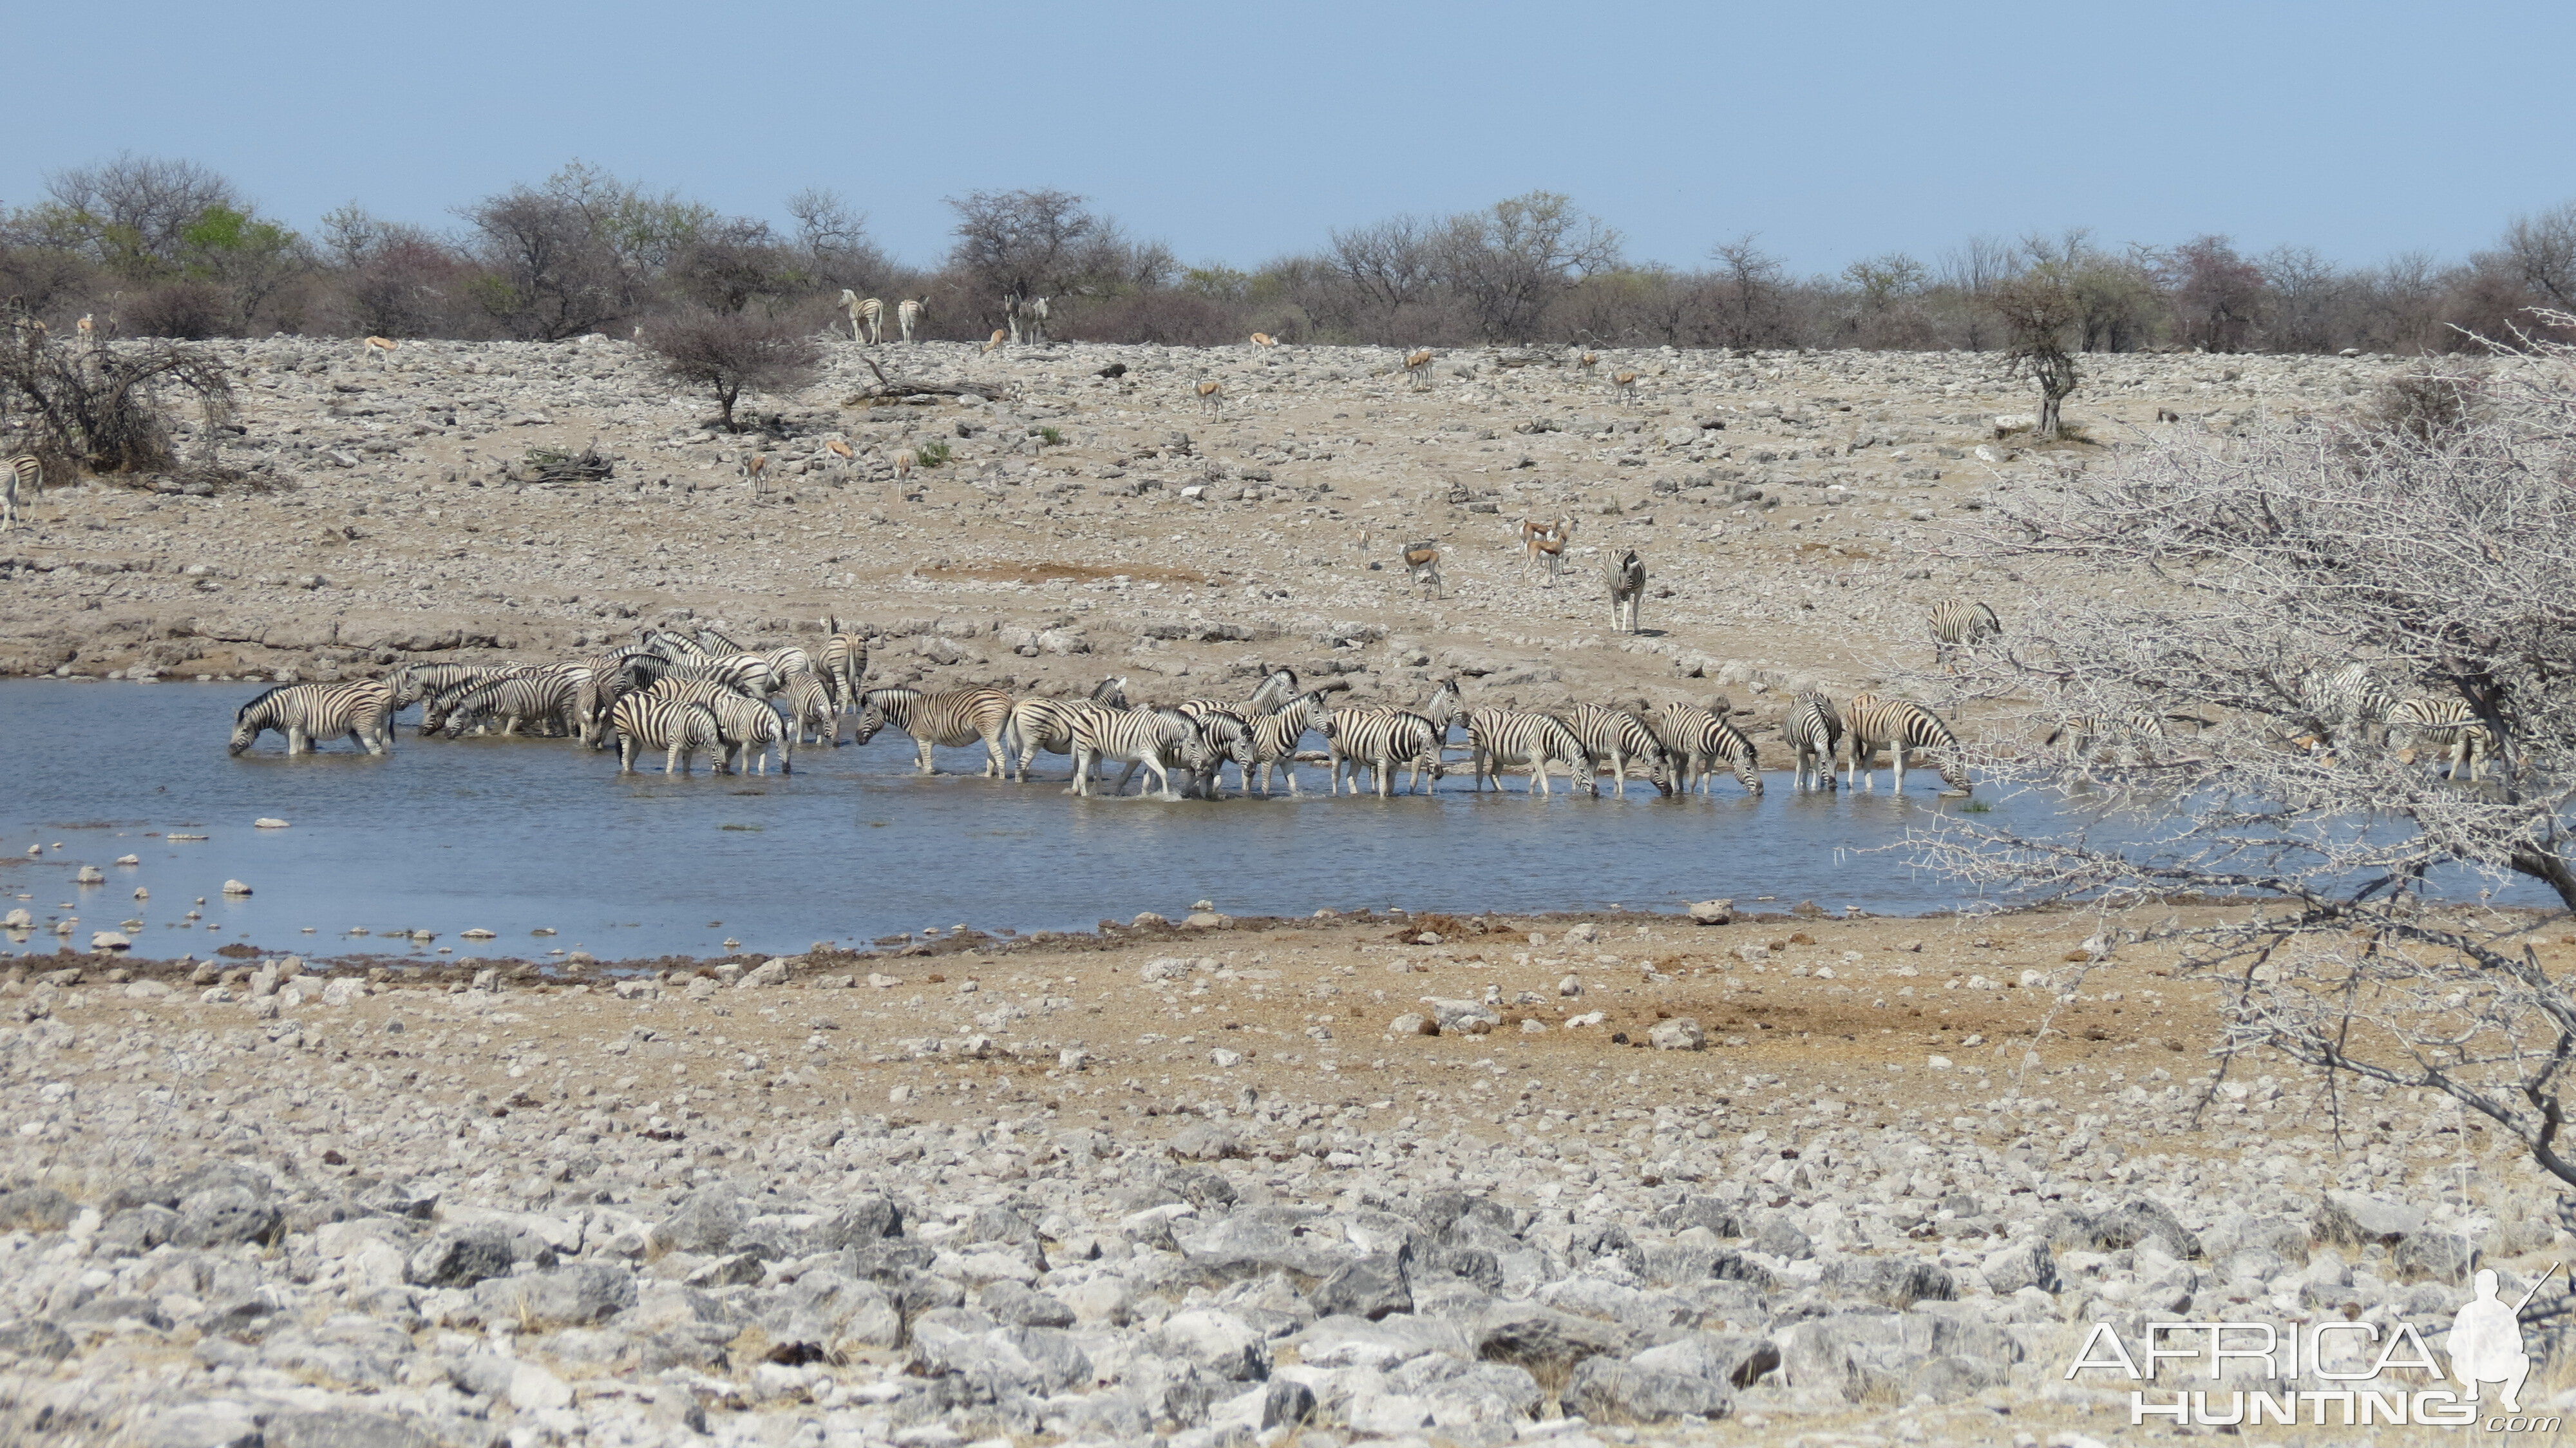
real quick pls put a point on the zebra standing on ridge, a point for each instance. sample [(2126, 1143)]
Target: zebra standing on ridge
[(1507, 737), (1814, 733), (679, 728), (1381, 740), (1900, 726), (2449, 724), (1697, 739), (1627, 579), (907, 314), (867, 317), (1621, 740), (24, 473), (1961, 623), (307, 714), (950, 719)]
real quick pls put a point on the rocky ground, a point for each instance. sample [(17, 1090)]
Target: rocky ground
[(1792, 511), (1414, 1180)]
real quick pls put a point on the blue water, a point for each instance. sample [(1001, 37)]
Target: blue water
[(516, 835)]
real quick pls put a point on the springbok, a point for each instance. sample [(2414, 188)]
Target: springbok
[(1587, 362), (1624, 384), (1211, 396), (1263, 341), (867, 317), (994, 342), (1422, 562), (380, 348), (1417, 365), (903, 462), (909, 311), (88, 332), (1543, 545), (840, 449)]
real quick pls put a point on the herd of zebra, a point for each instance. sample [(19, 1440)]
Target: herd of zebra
[(682, 696)]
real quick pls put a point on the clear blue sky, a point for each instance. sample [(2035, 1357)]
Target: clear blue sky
[(1237, 132)]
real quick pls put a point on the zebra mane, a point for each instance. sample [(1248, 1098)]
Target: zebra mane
[(243, 713)]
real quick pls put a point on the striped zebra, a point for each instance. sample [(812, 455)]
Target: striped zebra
[(307, 714), (714, 640), (745, 727), (675, 726), (2448, 724), (2084, 733), (2349, 704), (1047, 724), (845, 662), (414, 682), (1275, 737), (811, 714), (1814, 733), (1961, 623), (1621, 740), (951, 719), (746, 674), (545, 696), (1381, 741), (1160, 740), (1697, 739), (438, 704), (1900, 726), (1224, 737), (1502, 738), (24, 473)]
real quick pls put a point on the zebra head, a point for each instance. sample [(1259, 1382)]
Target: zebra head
[(248, 721), (872, 717), (1446, 704)]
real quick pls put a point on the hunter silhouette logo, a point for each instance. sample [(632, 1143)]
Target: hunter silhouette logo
[(2486, 1341)]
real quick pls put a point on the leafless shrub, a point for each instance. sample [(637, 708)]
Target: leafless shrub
[(1167, 319), (107, 410), (729, 352), (185, 311), (2426, 406), (2228, 580)]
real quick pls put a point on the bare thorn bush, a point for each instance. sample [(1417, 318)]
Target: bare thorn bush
[(108, 410), (728, 353), (2280, 589)]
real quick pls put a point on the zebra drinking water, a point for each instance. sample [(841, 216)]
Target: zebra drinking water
[(1502, 738), (1814, 732), (1382, 740), (1697, 739), (1161, 740), (307, 714), (1621, 740), (1899, 726), (744, 727)]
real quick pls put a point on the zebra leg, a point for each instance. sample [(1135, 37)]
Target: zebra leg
[(921, 754), (1289, 768), (626, 752), (1162, 773), (993, 765)]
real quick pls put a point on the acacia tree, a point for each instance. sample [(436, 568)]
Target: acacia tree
[(1750, 294), (2038, 310), (2238, 581), (728, 353)]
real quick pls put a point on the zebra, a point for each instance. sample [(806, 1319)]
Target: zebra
[(1502, 737), (1047, 724), (909, 312), (23, 473), (1814, 733), (1697, 739), (1224, 736), (1028, 318), (2082, 733), (437, 704), (716, 641), (845, 663), (748, 674), (414, 682), (547, 695), (2347, 702), (2449, 724), (810, 711), (1627, 579), (955, 717), (1445, 704), (307, 714), (745, 727), (676, 726), (1157, 739), (1619, 739), (867, 317), (1380, 740), (1275, 736), (1900, 726), (1961, 623)]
